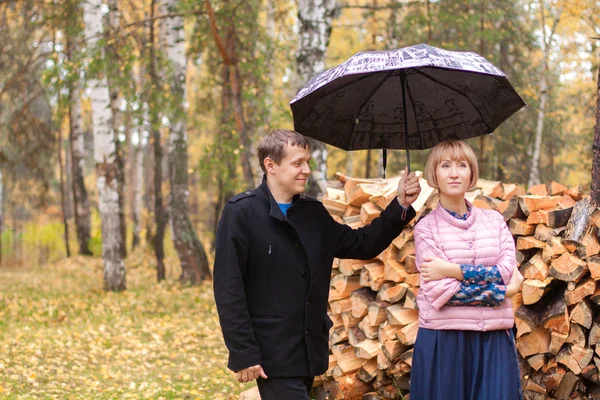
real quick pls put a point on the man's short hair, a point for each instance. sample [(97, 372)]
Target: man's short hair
[(273, 145), (454, 150)]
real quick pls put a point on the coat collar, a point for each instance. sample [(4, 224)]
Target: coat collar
[(267, 197), (445, 215)]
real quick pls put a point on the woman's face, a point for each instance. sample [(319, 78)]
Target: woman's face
[(453, 177)]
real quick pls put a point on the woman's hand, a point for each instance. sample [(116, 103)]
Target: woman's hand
[(514, 286), (434, 269)]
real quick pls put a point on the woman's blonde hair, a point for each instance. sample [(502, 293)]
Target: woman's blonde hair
[(454, 150)]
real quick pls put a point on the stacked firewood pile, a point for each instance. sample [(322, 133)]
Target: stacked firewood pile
[(373, 303)]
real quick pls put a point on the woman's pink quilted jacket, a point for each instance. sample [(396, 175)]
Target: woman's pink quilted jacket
[(484, 239)]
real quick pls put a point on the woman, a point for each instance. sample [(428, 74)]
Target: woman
[(465, 348)]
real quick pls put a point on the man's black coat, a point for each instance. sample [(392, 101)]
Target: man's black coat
[(272, 275)]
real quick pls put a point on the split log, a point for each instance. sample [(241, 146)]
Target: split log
[(556, 316), (583, 355), (536, 361), (368, 212), (391, 292), (553, 376), (404, 237), (390, 253), (557, 339), (594, 267), (393, 349), (576, 335), (356, 335), (398, 315), (568, 268), (376, 312), (368, 371), (485, 202), (575, 192), (531, 203), (553, 249), (349, 320), (346, 358), (566, 386), (345, 284), (512, 190), (578, 223), (382, 362), (535, 268), (394, 271), (534, 289), (351, 388), (553, 218), (536, 342), (350, 267), (410, 264), (387, 332), (370, 331), (340, 306), (555, 188), (413, 280), (582, 290), (590, 245), (408, 334), (371, 275), (518, 226), (491, 188), (352, 211), (529, 242), (595, 297), (410, 300), (582, 314), (538, 190), (338, 335), (543, 232), (566, 358), (594, 336), (591, 373), (367, 349), (407, 250), (360, 300), (527, 319), (510, 209)]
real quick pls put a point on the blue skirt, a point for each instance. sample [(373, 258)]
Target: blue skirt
[(465, 365)]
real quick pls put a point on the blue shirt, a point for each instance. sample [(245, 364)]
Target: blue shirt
[(284, 207)]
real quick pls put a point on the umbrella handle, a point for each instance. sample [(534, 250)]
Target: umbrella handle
[(403, 84), (384, 161)]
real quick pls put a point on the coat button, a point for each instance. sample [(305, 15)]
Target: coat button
[(297, 246), (308, 302), (303, 274), (470, 245), (306, 331)]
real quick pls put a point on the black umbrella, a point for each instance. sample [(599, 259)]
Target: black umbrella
[(409, 98)]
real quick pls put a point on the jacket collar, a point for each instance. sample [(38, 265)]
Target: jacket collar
[(267, 196), (445, 215)]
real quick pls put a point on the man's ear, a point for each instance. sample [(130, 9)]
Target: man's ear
[(269, 164)]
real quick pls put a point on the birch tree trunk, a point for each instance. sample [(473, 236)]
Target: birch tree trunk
[(315, 17), (80, 195), (160, 215), (104, 156), (63, 197), (534, 173), (194, 263), (113, 21), (595, 195)]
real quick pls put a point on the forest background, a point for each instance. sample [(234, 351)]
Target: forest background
[(126, 124)]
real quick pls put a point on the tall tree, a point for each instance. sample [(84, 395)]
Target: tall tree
[(534, 174), (104, 154), (160, 214), (76, 137), (194, 263), (315, 17)]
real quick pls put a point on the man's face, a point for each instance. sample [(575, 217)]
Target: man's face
[(292, 172)]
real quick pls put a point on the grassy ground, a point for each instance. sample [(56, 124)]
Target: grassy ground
[(62, 336)]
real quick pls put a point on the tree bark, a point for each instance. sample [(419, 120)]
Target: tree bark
[(228, 53), (77, 149), (1, 215), (595, 195), (534, 174), (104, 155), (315, 17), (63, 197), (113, 22), (160, 216), (194, 263)]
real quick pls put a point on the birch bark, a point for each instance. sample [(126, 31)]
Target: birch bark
[(104, 156)]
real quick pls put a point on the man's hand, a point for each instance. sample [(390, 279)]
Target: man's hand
[(251, 373), (408, 188), (434, 269), (514, 286)]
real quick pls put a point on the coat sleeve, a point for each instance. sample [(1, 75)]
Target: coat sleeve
[(507, 261), (367, 242), (231, 255), (435, 292)]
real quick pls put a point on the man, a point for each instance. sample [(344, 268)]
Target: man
[(274, 253)]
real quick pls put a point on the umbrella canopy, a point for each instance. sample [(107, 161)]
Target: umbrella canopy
[(409, 98)]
